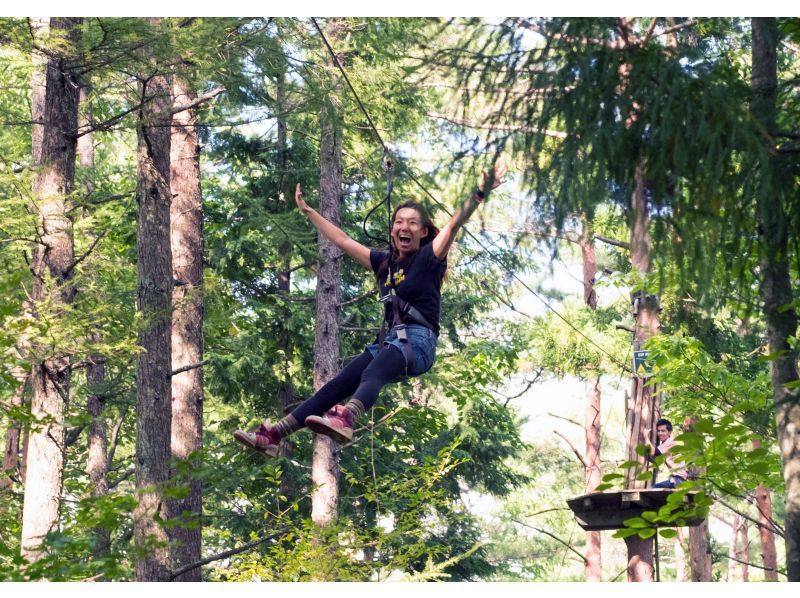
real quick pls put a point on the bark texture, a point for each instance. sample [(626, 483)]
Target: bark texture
[(11, 450), (186, 236), (286, 396), (593, 568), (699, 543), (769, 555), (774, 186), (55, 113), (325, 466), (643, 410), (97, 439), (154, 302), (97, 463)]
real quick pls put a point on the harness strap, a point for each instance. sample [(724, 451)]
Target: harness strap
[(400, 328)]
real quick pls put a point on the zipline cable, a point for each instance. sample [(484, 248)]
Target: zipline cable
[(350, 85), (388, 161), (429, 194), (497, 260)]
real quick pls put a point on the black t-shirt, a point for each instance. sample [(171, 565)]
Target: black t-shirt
[(417, 280)]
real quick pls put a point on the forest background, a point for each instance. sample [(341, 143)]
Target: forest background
[(158, 290)]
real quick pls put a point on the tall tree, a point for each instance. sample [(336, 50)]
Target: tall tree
[(699, 541), (186, 236), (11, 450), (97, 433), (594, 566), (766, 535), (325, 464), (775, 194), (154, 304), (54, 134)]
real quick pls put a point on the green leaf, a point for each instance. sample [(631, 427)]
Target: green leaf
[(668, 533), (625, 532), (636, 522), (772, 356), (650, 516), (610, 477), (647, 533)]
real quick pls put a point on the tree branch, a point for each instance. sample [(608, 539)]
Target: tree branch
[(773, 528), (541, 531), (727, 556), (227, 553), (186, 368), (198, 101), (572, 421), (610, 241), (356, 299), (86, 254), (572, 446), (678, 27), (498, 127), (112, 445)]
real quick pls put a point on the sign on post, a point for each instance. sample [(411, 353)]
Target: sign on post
[(642, 366)]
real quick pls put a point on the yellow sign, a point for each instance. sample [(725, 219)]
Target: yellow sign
[(642, 365)]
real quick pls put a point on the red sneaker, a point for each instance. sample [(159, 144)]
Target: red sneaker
[(264, 440), (337, 424)]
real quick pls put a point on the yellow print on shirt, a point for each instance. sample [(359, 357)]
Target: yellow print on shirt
[(398, 277)]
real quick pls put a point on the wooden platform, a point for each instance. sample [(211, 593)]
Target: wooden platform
[(608, 510)]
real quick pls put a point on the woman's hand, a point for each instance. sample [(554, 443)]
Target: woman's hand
[(301, 203), (499, 171)]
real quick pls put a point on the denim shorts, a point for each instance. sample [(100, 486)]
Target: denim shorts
[(423, 347)]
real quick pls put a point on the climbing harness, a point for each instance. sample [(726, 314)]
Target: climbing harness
[(401, 312)]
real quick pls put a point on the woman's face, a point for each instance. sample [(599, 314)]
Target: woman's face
[(408, 231)]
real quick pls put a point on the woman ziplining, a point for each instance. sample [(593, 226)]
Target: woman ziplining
[(409, 279)]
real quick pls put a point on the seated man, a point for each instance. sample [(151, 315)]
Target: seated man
[(678, 472)]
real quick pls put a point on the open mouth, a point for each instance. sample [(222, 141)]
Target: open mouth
[(405, 239)]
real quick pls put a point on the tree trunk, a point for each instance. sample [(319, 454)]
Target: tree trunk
[(154, 302), (97, 463), (325, 465), (593, 568), (97, 435), (54, 135), (11, 451), (640, 558), (644, 410), (186, 235), (776, 286), (286, 395), (699, 543), (769, 555), (743, 551), (680, 555), (325, 469), (738, 549)]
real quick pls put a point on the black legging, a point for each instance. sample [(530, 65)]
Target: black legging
[(362, 378)]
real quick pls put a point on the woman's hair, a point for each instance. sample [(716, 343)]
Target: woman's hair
[(433, 230), (426, 219)]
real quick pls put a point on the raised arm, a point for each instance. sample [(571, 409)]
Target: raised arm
[(336, 235), (444, 240)]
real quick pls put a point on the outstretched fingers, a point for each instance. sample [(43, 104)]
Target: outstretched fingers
[(298, 198)]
